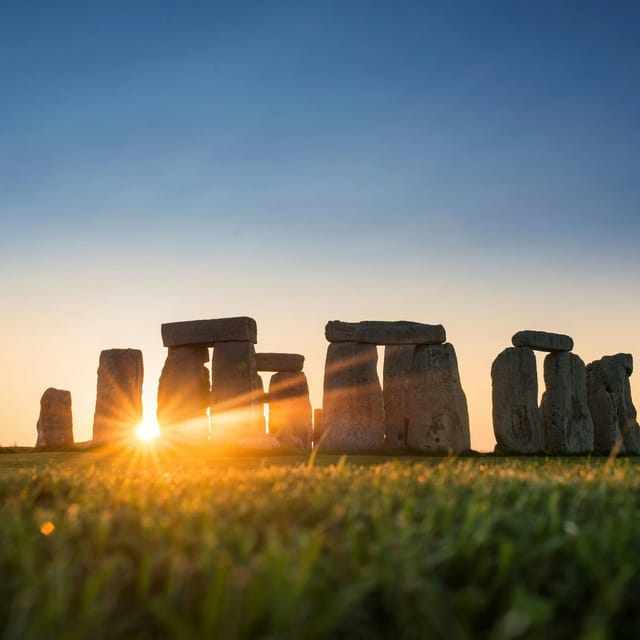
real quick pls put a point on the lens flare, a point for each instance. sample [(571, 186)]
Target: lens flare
[(148, 430)]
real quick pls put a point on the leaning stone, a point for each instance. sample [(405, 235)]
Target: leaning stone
[(279, 361), (119, 395), (614, 415), (290, 409), (438, 416), (565, 418), (55, 424), (235, 394), (353, 408), (542, 341), (209, 332), (516, 417), (385, 333), (396, 389), (183, 395)]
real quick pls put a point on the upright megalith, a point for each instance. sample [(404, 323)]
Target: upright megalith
[(353, 407), (385, 332), (516, 417), (118, 410), (209, 332), (236, 399), (396, 390), (542, 341), (183, 395), (567, 427), (290, 418), (55, 424), (609, 395), (438, 416)]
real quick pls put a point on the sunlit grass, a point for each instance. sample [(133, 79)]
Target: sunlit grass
[(167, 541)]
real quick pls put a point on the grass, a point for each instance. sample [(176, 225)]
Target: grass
[(150, 545)]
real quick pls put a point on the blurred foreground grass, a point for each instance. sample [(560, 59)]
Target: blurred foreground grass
[(148, 544)]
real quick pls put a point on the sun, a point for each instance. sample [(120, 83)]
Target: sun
[(148, 430)]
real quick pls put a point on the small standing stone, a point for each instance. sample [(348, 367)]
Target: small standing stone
[(396, 389), (609, 394), (55, 424), (183, 395), (516, 417), (290, 409), (353, 408), (439, 418), (567, 426), (119, 395)]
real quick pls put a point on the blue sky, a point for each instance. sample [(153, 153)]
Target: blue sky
[(318, 142)]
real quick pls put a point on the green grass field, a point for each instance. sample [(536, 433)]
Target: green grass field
[(150, 544)]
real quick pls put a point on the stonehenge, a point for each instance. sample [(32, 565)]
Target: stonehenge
[(118, 411), (422, 407), (55, 423), (419, 407)]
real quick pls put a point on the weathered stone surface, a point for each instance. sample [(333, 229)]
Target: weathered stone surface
[(396, 390), (516, 417), (183, 395), (279, 361), (565, 418), (385, 333), (55, 424), (542, 341), (353, 408), (609, 395), (235, 394), (209, 332), (290, 409), (438, 416), (119, 395)]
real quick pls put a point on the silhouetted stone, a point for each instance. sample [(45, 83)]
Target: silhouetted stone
[(542, 341), (317, 426), (279, 362), (516, 417), (385, 333), (439, 418), (396, 390), (235, 393), (119, 395), (183, 395), (209, 332), (55, 424), (290, 408), (564, 412), (612, 410), (353, 409)]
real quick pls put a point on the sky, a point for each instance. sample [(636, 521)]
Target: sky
[(473, 164)]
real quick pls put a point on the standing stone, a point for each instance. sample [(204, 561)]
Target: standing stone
[(55, 424), (260, 397), (234, 393), (516, 417), (290, 409), (566, 422), (609, 395), (353, 407), (183, 395), (317, 426), (119, 395), (438, 417), (382, 332), (396, 389)]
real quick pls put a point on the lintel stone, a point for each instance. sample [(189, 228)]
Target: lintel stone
[(208, 332), (542, 341), (281, 362), (385, 333)]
